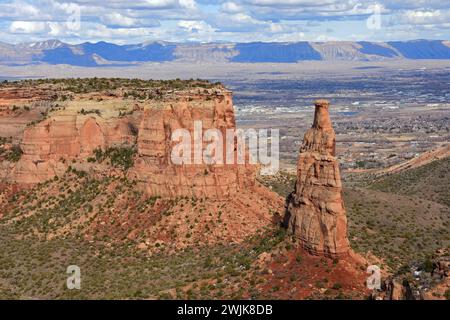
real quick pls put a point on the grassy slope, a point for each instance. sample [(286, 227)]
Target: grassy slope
[(76, 220), (37, 269), (430, 182), (402, 217), (398, 228), (48, 228)]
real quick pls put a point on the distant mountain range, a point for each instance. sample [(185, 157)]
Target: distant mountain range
[(105, 54)]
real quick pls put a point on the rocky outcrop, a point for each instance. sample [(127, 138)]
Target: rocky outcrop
[(20, 106), (16, 95), (396, 290), (427, 280), (315, 210), (441, 264), (153, 166), (70, 134), (50, 146)]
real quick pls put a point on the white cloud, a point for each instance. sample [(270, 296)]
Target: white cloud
[(20, 10), (195, 26), (242, 18), (27, 27), (56, 29), (190, 4), (231, 7), (291, 2), (156, 3), (425, 17), (233, 20), (118, 19), (97, 32), (26, 9)]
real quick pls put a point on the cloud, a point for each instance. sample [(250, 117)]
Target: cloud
[(215, 20), (320, 10), (231, 7), (28, 27), (238, 22), (195, 26), (190, 30), (419, 21), (99, 31), (116, 19), (291, 3), (418, 17), (190, 4), (20, 10), (120, 4)]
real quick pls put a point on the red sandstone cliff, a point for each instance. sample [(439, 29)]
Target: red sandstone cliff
[(316, 213), (70, 135), (50, 146), (225, 200), (153, 165)]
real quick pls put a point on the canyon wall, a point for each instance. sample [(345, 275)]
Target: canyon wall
[(70, 135), (315, 210), (52, 145), (154, 168)]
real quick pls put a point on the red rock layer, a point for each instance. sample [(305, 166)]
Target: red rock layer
[(10, 96), (154, 168), (316, 213), (69, 138), (50, 146)]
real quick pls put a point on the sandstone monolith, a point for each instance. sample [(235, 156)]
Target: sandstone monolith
[(315, 210)]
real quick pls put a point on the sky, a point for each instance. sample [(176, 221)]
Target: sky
[(137, 21)]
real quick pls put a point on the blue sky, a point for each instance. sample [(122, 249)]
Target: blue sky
[(137, 21)]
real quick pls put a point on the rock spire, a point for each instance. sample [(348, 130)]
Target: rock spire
[(315, 210)]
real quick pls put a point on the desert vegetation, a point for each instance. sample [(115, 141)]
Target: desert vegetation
[(9, 151), (87, 85), (428, 182), (120, 157)]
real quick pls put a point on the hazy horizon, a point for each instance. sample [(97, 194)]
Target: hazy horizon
[(74, 43)]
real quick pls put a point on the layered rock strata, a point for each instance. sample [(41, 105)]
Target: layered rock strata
[(69, 136), (154, 167), (315, 210), (50, 146)]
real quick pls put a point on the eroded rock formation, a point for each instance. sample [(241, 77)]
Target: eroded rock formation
[(315, 210), (50, 146), (154, 167), (71, 134)]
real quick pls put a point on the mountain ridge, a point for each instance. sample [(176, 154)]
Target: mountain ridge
[(88, 54)]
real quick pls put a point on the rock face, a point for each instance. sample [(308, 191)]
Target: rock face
[(153, 166), (69, 135), (315, 210), (13, 117), (51, 145)]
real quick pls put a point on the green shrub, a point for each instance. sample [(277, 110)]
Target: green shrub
[(14, 154), (427, 266), (447, 294), (336, 286), (95, 111), (120, 157)]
